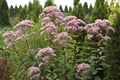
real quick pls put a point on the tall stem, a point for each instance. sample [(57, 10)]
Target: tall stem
[(83, 77), (52, 69), (17, 53), (52, 60), (29, 49), (65, 67), (74, 61)]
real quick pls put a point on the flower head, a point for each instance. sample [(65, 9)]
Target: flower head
[(10, 38), (60, 20), (94, 29), (50, 28), (52, 11), (83, 68), (63, 38), (24, 25), (105, 38), (74, 24), (45, 54), (103, 24), (34, 72), (99, 29), (89, 36), (70, 18)]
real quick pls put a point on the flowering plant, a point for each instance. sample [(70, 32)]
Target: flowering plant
[(54, 49)]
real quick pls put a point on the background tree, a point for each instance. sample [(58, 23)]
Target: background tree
[(66, 9), (16, 10), (23, 13), (34, 10), (114, 47), (85, 6), (100, 10), (4, 13), (76, 2), (30, 5), (70, 9), (88, 12), (90, 9), (60, 7), (78, 9), (49, 3), (11, 11)]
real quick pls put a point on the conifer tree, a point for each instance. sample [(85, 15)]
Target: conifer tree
[(78, 9), (60, 7), (66, 9), (11, 11), (90, 9), (23, 13), (4, 13), (99, 11), (16, 10), (34, 9), (76, 2), (85, 6), (30, 6), (49, 3), (70, 9)]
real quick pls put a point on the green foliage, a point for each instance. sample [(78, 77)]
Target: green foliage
[(79, 50), (85, 6), (60, 7), (13, 11), (78, 11), (87, 12), (27, 12), (76, 2), (100, 10), (114, 46), (66, 9), (49, 3), (22, 55), (90, 9), (34, 9), (70, 9), (4, 17), (23, 13)]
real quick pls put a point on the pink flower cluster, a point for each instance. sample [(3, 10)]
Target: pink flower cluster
[(52, 13), (13, 36), (98, 30), (45, 54), (60, 20), (70, 18), (103, 38), (52, 17), (73, 24), (104, 24), (63, 38), (46, 20), (49, 28), (34, 72), (24, 25), (10, 38), (83, 68)]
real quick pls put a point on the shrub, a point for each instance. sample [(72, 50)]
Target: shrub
[(59, 47)]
